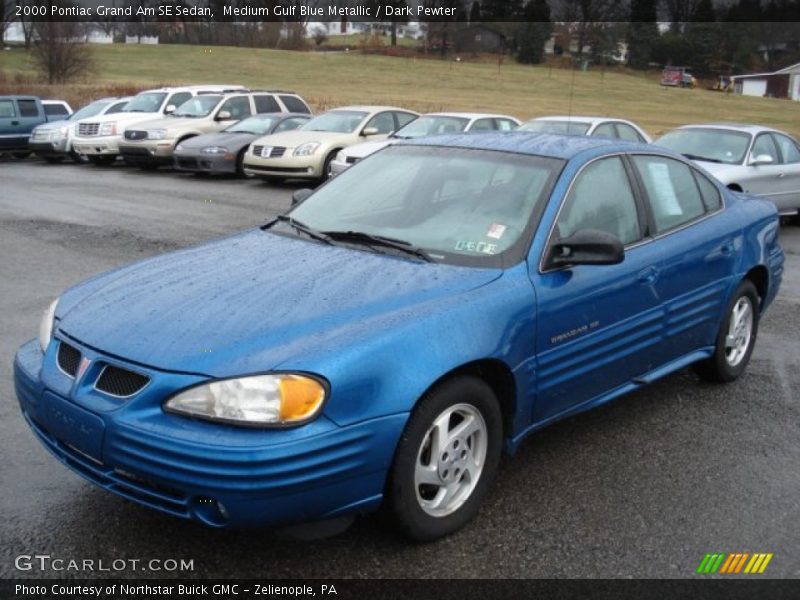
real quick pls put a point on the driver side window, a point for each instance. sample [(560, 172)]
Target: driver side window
[(765, 146), (602, 199), (383, 122)]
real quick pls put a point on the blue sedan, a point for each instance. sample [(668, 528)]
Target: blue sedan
[(403, 325)]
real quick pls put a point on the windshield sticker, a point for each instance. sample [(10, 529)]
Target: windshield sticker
[(496, 231), (480, 247)]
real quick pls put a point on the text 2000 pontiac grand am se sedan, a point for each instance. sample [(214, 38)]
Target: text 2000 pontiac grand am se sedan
[(385, 341)]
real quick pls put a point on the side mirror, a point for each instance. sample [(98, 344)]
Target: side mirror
[(170, 109), (223, 115), (761, 159), (299, 195), (370, 131), (586, 247)]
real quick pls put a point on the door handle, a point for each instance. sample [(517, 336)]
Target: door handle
[(781, 175), (726, 248), (648, 276), (15, 122)]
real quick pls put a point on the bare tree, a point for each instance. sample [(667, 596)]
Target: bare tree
[(58, 50)]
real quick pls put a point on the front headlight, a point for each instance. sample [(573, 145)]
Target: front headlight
[(156, 134), (277, 399), (108, 129), (214, 150), (46, 325), (306, 149)]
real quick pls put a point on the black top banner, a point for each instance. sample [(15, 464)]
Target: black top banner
[(383, 11)]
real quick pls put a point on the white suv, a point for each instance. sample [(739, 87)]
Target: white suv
[(98, 138)]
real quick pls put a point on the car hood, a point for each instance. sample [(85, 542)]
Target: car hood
[(367, 148), (170, 123), (122, 117), (232, 141), (51, 125), (292, 139), (243, 303)]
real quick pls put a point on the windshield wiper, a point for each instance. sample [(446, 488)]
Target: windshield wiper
[(703, 158), (301, 227), (368, 239)]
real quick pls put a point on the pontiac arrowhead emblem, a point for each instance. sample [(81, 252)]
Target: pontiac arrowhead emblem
[(85, 362)]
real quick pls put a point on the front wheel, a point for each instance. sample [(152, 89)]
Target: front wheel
[(736, 337), (446, 459)]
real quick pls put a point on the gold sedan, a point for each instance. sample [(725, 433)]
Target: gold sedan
[(307, 152)]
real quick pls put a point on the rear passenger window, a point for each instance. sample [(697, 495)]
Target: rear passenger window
[(709, 191), (788, 147), (601, 198), (28, 108), (267, 104), (294, 104), (671, 188), (7, 109), (605, 130), (404, 118), (505, 124), (52, 110), (626, 132), (483, 125)]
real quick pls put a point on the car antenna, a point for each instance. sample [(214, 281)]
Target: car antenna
[(571, 92)]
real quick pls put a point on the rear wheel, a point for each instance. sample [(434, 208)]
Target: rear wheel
[(446, 459), (736, 337)]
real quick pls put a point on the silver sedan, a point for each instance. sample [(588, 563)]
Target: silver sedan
[(747, 158)]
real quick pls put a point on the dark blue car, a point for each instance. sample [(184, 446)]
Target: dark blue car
[(401, 327)]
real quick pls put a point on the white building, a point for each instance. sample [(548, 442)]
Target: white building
[(783, 83)]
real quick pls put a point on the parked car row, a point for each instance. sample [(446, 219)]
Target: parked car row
[(272, 134)]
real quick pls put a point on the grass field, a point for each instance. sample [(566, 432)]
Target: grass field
[(332, 79)]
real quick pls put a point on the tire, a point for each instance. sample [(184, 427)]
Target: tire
[(428, 511), (53, 160), (76, 157), (734, 343), (240, 162), (20, 155), (326, 167)]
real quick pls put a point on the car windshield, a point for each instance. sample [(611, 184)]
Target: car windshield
[(257, 125), (147, 102), (560, 127), (90, 110), (709, 144), (432, 126), (199, 106), (337, 121), (460, 206)]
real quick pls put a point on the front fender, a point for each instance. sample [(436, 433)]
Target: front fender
[(384, 365)]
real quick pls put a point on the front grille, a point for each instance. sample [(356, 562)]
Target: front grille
[(88, 128), (351, 160), (135, 134), (269, 151), (68, 358), (120, 382)]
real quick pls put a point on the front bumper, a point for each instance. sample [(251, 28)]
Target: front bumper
[(288, 167), (215, 474), (197, 162), (147, 152), (107, 145)]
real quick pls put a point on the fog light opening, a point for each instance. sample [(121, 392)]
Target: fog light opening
[(210, 511)]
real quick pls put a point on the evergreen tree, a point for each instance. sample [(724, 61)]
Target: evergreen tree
[(704, 36), (642, 33), (475, 12), (533, 32)]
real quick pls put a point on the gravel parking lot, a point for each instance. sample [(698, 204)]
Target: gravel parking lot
[(643, 487)]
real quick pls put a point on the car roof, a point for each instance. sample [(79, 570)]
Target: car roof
[(745, 127), (195, 88), (468, 115), (526, 142), (579, 119), (370, 108)]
